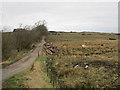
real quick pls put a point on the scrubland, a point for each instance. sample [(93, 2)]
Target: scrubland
[(82, 60)]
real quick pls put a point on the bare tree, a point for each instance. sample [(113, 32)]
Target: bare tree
[(27, 27), (40, 22), (22, 38), (20, 25)]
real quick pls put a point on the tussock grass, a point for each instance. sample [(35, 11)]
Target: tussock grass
[(100, 53)]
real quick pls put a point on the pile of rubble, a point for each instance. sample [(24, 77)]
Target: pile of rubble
[(51, 49)]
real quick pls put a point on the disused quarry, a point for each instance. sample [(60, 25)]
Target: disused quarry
[(81, 70)]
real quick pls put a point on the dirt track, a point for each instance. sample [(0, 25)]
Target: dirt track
[(23, 63)]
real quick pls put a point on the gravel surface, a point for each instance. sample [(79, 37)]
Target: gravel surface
[(23, 63)]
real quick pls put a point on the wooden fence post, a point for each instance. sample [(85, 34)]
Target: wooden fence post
[(38, 53)]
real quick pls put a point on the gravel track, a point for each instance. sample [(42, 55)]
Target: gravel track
[(23, 63)]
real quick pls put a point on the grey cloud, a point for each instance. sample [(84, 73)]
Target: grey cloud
[(64, 16)]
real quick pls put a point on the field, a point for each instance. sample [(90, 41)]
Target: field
[(72, 60), (82, 60)]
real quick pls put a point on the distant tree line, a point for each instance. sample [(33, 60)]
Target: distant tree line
[(22, 39)]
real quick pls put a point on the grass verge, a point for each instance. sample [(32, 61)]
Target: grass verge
[(30, 79), (16, 81)]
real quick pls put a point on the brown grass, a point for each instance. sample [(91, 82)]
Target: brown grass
[(100, 53)]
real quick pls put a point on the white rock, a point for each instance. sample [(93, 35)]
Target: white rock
[(83, 45), (76, 66), (86, 66)]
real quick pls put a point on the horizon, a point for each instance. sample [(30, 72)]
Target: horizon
[(72, 31)]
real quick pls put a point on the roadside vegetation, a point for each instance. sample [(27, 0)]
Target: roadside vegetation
[(33, 77), (16, 81), (17, 43), (82, 60), (37, 78)]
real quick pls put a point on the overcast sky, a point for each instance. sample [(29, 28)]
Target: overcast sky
[(63, 16)]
